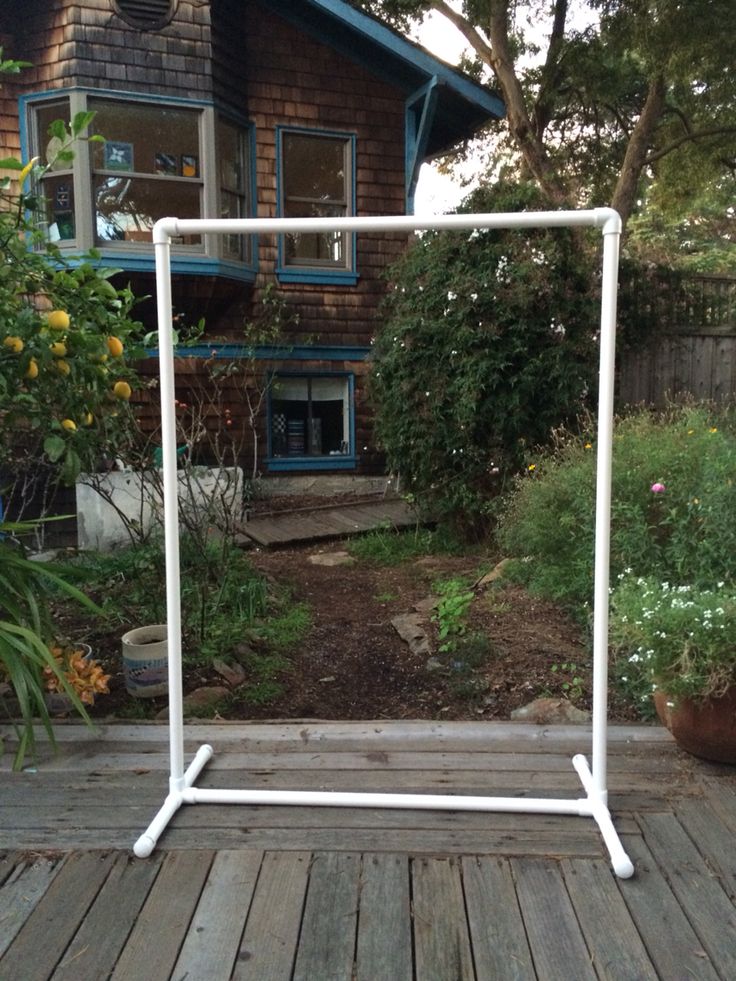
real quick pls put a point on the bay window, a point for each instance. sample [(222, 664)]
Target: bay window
[(156, 159)]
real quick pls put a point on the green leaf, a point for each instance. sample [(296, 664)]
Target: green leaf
[(58, 129), (81, 121), (11, 163), (53, 447), (71, 467)]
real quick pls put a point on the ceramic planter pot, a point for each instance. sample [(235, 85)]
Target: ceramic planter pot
[(706, 729), (145, 662)]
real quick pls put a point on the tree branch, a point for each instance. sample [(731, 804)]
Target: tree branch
[(636, 151), (689, 137), (548, 85)]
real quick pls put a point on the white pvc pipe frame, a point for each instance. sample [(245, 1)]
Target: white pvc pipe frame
[(181, 789)]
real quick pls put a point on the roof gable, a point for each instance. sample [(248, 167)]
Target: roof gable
[(462, 105)]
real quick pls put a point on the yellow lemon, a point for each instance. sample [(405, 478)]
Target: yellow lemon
[(14, 343), (58, 349), (69, 425), (63, 367), (58, 320), (88, 419), (122, 390), (115, 346), (32, 369)]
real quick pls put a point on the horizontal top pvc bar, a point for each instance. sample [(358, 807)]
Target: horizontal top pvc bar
[(604, 218)]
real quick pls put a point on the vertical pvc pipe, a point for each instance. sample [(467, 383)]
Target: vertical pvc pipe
[(609, 287), (162, 246)]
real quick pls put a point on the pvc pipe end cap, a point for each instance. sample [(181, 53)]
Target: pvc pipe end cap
[(623, 867), (144, 846)]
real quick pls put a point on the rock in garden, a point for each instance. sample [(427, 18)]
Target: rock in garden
[(426, 606), (234, 674), (551, 711), (331, 558), (409, 627), (203, 700)]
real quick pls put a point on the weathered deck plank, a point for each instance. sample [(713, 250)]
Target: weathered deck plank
[(497, 932), (268, 948), (101, 937), (151, 951), (45, 935), (557, 945), (213, 940), (616, 949), (327, 941), (324, 523), (247, 892), (441, 936), (25, 880), (384, 923), (668, 936), (698, 891)]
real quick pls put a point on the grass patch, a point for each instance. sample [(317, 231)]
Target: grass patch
[(387, 546)]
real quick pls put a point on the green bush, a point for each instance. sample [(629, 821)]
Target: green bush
[(487, 343), (684, 533)]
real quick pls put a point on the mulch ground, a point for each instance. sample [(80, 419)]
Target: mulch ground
[(353, 665)]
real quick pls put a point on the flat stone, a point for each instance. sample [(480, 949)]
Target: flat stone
[(234, 674), (203, 699), (426, 606), (409, 627), (551, 711), (331, 558)]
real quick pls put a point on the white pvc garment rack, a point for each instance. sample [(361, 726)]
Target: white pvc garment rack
[(181, 782)]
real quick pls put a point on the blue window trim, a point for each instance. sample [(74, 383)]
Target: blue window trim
[(198, 263), (300, 352), (195, 265), (347, 461), (327, 275)]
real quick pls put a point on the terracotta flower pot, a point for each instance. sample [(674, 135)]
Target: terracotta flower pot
[(706, 729)]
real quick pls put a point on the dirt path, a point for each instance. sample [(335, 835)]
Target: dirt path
[(353, 664)]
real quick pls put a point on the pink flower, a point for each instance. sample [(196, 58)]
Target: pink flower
[(658, 488)]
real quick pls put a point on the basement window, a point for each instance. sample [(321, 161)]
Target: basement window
[(310, 422)]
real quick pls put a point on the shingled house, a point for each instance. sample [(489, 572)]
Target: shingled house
[(239, 108)]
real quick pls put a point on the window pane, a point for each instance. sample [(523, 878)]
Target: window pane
[(58, 194), (309, 417), (47, 146), (146, 139), (232, 155), (327, 248), (127, 208), (314, 167)]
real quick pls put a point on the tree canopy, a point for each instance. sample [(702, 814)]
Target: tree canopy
[(608, 101)]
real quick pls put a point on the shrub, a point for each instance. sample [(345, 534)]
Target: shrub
[(673, 500), (66, 336), (488, 343)]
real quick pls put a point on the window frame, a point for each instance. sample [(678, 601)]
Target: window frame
[(342, 461), (207, 258), (324, 273)]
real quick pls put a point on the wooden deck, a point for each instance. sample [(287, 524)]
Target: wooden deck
[(327, 894), (330, 521)]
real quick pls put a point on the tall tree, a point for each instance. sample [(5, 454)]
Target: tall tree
[(609, 108)]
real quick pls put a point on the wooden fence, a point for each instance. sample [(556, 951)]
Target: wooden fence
[(691, 326)]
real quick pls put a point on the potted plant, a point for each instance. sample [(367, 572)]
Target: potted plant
[(676, 643), (79, 671)]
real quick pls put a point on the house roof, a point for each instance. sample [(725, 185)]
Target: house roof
[(462, 105)]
